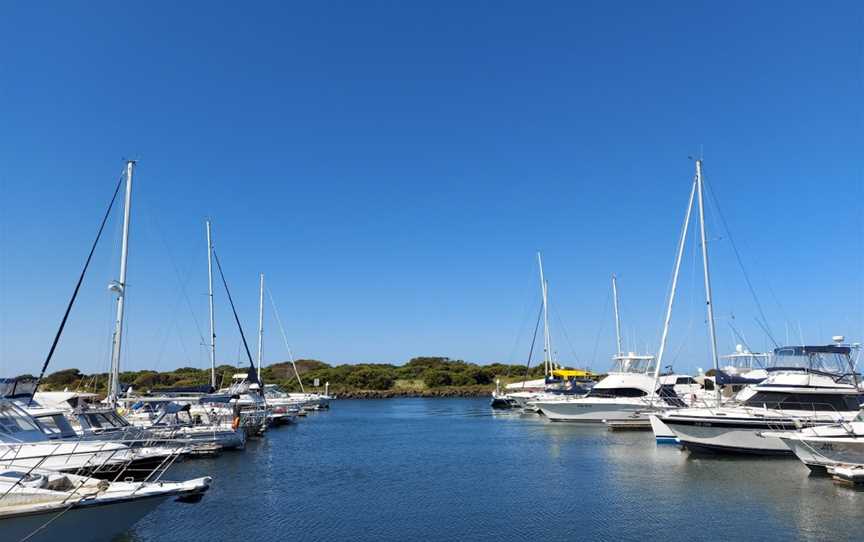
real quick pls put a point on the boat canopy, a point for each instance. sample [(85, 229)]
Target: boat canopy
[(528, 384), (572, 373), (13, 388), (830, 358)]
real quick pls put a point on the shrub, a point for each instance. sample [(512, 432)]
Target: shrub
[(436, 377)]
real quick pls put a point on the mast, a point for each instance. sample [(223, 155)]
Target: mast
[(679, 255), (547, 342), (210, 299), (709, 306), (119, 287), (617, 315), (260, 325)]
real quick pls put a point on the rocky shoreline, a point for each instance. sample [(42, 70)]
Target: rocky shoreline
[(393, 394)]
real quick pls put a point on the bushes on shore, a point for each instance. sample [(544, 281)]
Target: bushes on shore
[(418, 373)]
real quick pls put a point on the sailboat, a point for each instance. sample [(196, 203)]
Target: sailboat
[(558, 383), (41, 505), (806, 385)]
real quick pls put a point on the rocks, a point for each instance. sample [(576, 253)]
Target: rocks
[(433, 392)]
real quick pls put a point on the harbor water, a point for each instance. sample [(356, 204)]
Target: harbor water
[(451, 469)]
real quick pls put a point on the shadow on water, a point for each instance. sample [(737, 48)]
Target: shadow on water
[(448, 469)]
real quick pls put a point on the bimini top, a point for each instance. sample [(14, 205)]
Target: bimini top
[(831, 359), (807, 350)]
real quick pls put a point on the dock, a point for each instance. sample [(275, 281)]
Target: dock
[(628, 425), (847, 475)]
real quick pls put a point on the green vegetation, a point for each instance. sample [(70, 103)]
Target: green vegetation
[(422, 375)]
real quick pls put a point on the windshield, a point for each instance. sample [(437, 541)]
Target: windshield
[(56, 425), (633, 365), (800, 358), (14, 420)]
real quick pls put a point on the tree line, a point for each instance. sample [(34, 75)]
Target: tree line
[(417, 373)]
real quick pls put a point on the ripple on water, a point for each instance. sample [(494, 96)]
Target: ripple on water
[(448, 469)]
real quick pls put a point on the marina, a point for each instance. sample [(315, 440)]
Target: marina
[(431, 272), (620, 485)]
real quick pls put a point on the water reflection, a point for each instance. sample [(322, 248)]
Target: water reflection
[(448, 469)]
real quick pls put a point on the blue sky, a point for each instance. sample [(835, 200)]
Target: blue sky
[(392, 167)]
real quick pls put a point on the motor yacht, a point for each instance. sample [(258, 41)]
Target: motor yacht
[(806, 386), (626, 393), (26, 443), (174, 421)]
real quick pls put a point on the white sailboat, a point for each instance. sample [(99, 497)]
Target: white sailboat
[(41, 505), (556, 384)]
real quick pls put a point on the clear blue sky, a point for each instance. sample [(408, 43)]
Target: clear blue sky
[(392, 167)]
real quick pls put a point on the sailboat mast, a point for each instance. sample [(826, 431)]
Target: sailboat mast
[(708, 303), (210, 300), (617, 314), (120, 288), (547, 343), (260, 325), (679, 255)]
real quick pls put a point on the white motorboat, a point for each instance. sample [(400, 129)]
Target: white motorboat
[(40, 505), (25, 443), (172, 420), (807, 386), (824, 446), (624, 394)]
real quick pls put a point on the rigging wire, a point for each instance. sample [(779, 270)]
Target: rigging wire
[(154, 223), (607, 303), (764, 324), (566, 337), (533, 342), (77, 288), (284, 338), (254, 374)]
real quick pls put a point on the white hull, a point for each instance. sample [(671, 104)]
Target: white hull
[(94, 523), (64, 456), (820, 452), (594, 410), (661, 431), (740, 430)]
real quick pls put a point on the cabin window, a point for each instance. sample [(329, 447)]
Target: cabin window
[(684, 380), (51, 425), (822, 402), (14, 421), (617, 392), (93, 421)]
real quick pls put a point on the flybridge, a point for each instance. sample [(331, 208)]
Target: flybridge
[(807, 350)]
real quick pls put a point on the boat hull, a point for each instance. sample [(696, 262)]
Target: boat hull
[(662, 433), (729, 436), (587, 410), (92, 523), (819, 453)]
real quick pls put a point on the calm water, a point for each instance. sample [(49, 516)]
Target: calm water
[(448, 469)]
